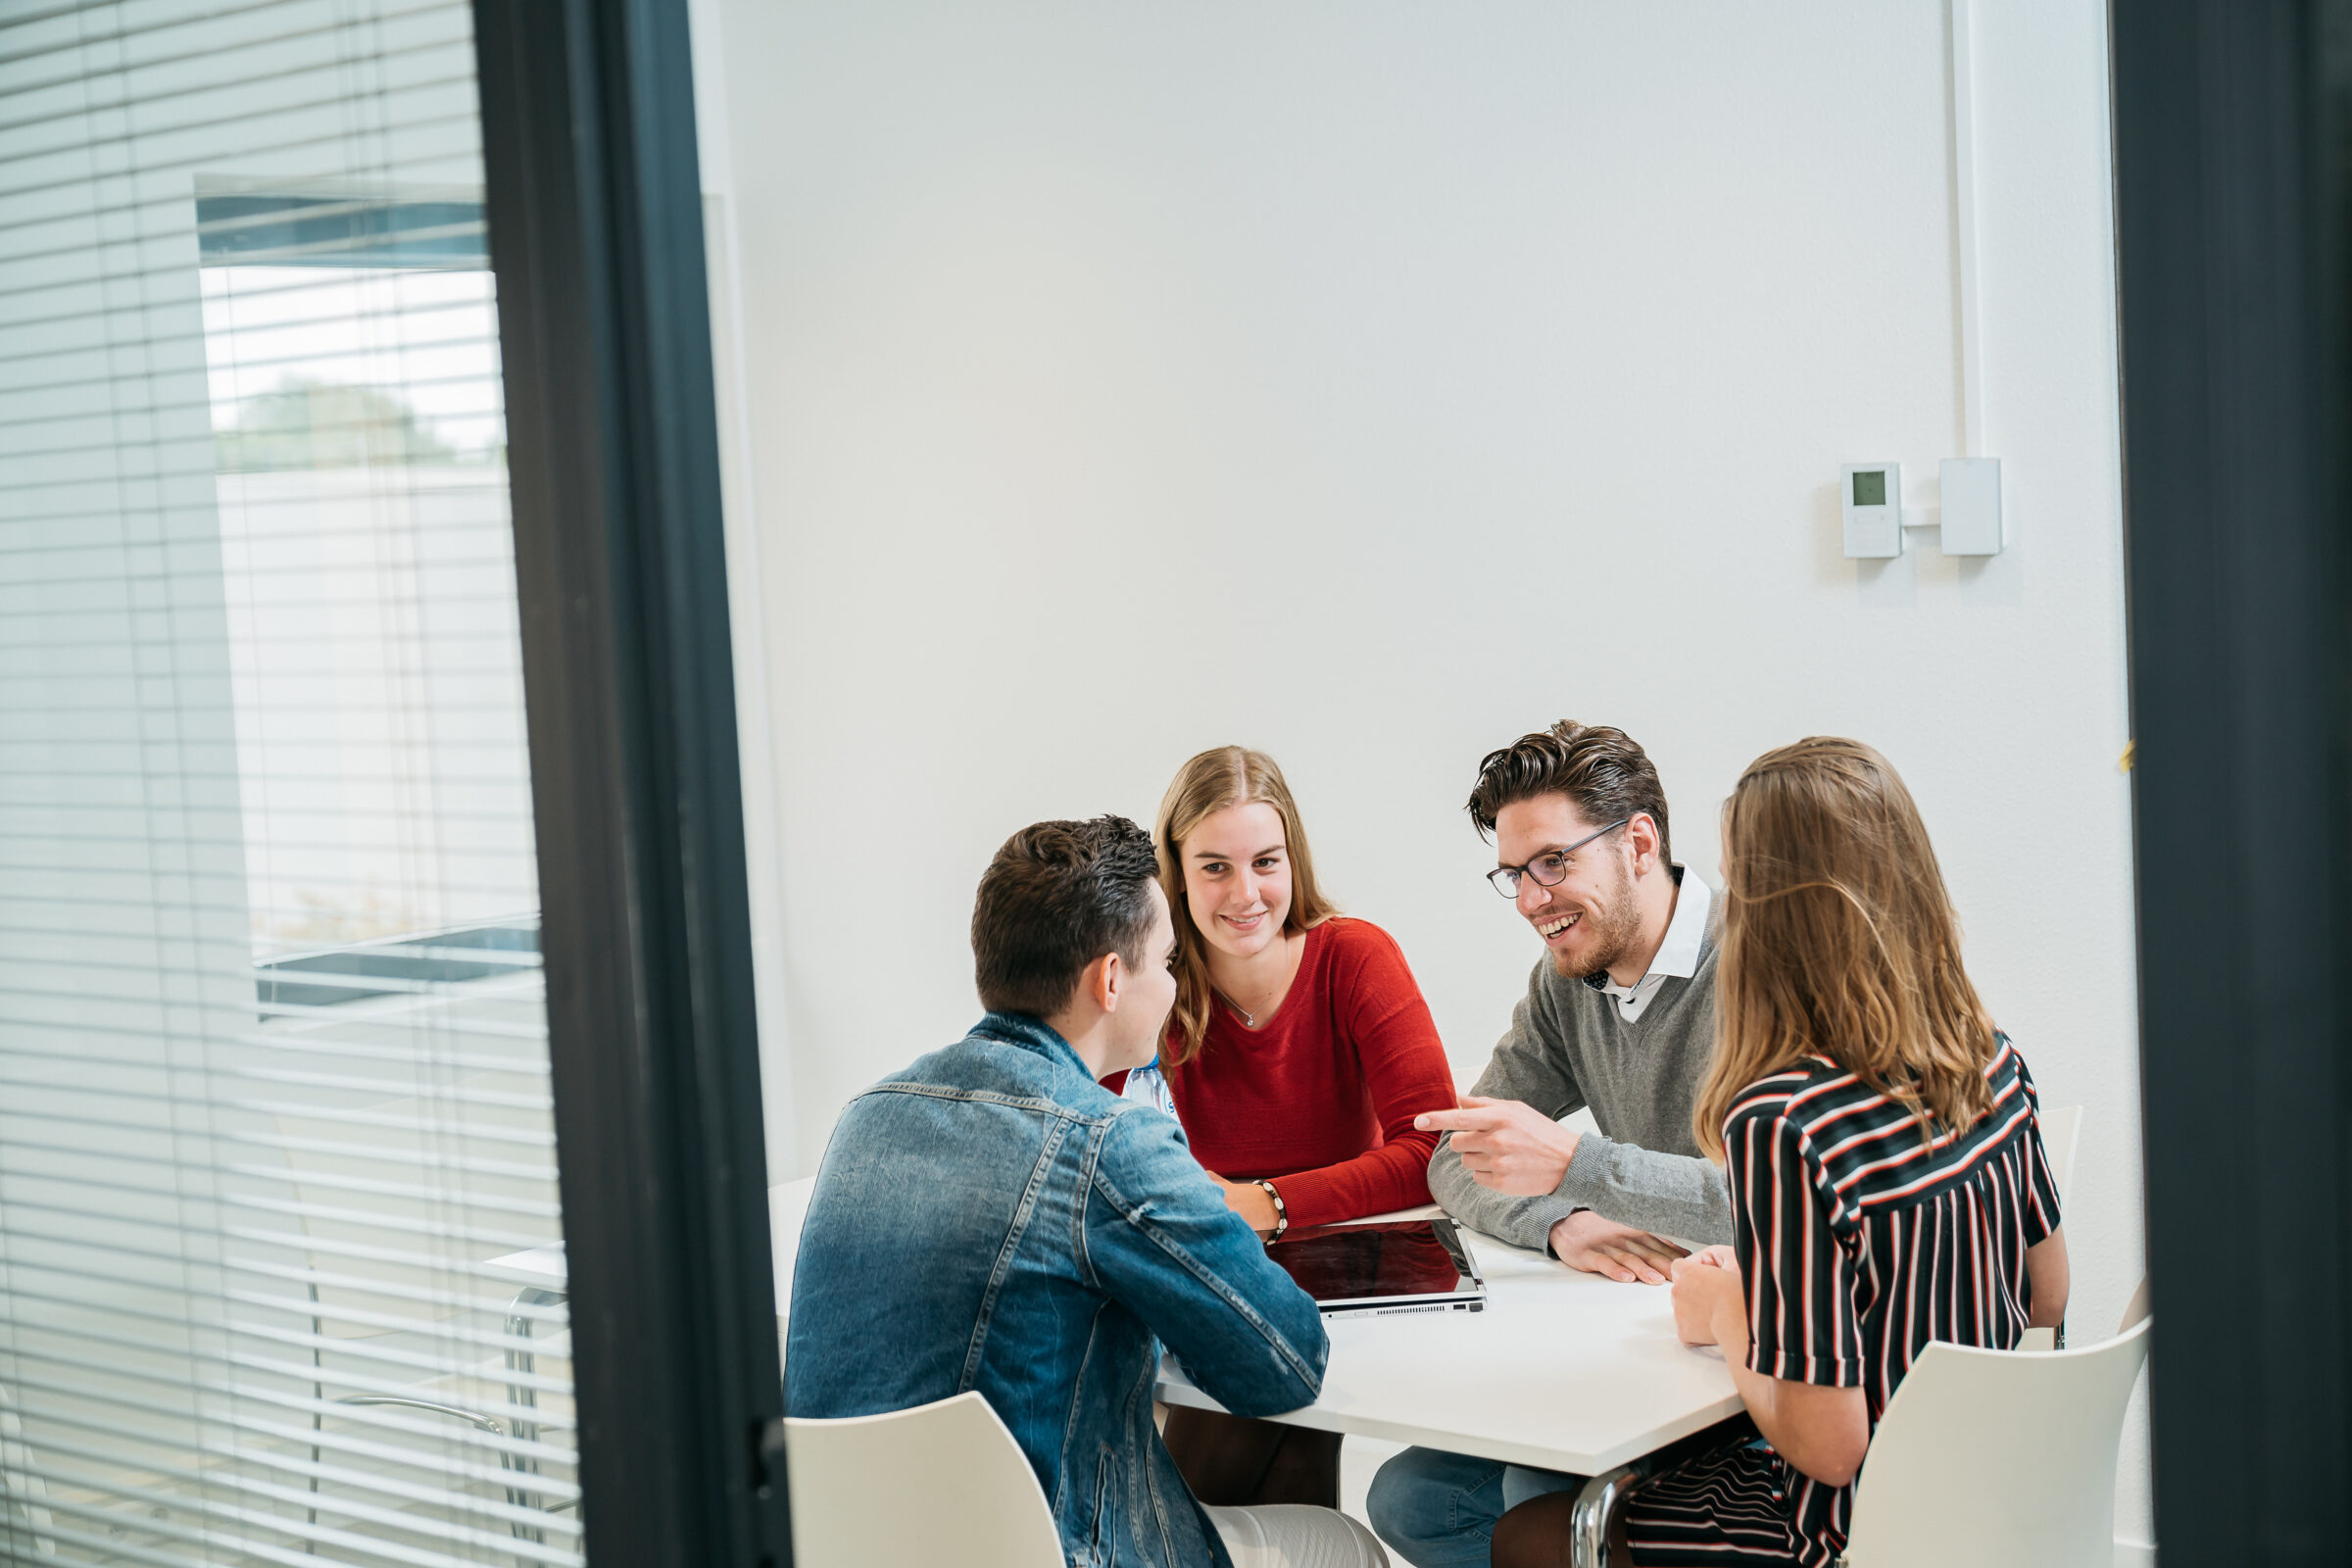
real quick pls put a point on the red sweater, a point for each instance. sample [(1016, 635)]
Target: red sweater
[(1321, 1101)]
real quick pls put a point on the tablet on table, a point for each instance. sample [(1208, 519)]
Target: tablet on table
[(1411, 1265)]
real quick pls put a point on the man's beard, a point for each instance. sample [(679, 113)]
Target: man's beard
[(1616, 925)]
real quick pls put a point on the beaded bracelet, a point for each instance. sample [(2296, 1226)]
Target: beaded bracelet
[(1281, 1216)]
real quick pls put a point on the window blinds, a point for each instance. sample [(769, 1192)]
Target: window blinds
[(278, 1273)]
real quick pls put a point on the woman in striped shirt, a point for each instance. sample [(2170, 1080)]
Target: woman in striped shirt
[(1885, 1168)]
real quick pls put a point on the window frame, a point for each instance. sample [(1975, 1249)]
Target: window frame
[(593, 200)]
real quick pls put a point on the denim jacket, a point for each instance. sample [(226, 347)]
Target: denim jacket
[(991, 1219)]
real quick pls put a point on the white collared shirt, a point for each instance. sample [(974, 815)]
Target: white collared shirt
[(1678, 955)]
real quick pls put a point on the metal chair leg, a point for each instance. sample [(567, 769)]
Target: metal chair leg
[(1595, 1506), (519, 1327), (1597, 1503)]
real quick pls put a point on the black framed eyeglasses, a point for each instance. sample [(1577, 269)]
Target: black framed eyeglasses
[(1548, 869)]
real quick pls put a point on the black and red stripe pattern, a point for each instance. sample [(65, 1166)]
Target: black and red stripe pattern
[(1859, 1242)]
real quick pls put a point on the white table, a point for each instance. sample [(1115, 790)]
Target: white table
[(1562, 1371)]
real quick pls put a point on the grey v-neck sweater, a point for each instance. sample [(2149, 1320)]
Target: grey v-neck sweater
[(1568, 1048)]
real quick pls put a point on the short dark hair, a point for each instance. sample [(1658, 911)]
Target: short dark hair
[(1057, 896), (1601, 770)]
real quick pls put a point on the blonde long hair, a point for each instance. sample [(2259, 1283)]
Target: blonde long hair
[(1839, 941), (1226, 775)]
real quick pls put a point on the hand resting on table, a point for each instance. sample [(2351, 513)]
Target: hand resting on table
[(1586, 1242)]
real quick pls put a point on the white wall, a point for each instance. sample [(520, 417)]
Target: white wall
[(1373, 382)]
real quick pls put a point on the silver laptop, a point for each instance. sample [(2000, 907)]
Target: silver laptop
[(1407, 1265)]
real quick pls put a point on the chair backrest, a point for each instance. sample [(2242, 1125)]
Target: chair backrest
[(942, 1482), (24, 1524), (2139, 1306), (2061, 1131), (354, 1226), (1988, 1456)]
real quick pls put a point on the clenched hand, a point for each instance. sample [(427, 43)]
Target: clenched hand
[(1706, 1285)]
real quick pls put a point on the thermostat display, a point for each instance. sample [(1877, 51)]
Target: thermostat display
[(1872, 493)]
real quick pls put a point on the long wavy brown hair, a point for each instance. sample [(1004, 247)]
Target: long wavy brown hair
[(1227, 775), (1839, 941)]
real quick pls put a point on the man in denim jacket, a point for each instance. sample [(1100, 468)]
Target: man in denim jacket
[(991, 1219)]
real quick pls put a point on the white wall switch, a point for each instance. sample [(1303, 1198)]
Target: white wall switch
[(1872, 493), (1972, 505)]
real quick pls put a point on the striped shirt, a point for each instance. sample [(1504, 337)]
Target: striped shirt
[(1858, 1244)]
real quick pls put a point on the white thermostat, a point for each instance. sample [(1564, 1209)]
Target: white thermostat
[(1873, 495)]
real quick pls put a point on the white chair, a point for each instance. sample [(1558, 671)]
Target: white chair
[(1990, 1457), (372, 1317), (24, 1527), (938, 1484)]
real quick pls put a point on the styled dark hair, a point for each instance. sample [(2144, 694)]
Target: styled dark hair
[(1057, 896), (1601, 770)]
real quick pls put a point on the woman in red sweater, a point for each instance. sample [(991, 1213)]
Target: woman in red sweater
[(1298, 1054)]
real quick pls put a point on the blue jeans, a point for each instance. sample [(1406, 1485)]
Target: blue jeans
[(1437, 1510)]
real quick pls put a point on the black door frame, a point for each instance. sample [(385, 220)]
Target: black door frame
[(594, 207), (2230, 191), (2231, 174)]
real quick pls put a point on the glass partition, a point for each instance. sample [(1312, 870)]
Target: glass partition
[(280, 1265)]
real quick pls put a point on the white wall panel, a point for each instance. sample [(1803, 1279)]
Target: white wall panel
[(1374, 382)]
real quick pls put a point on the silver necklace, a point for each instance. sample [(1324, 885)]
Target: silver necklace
[(1249, 1018)]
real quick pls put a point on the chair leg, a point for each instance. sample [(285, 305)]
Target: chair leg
[(1595, 1509), (318, 1416), (519, 1327), (1597, 1503)]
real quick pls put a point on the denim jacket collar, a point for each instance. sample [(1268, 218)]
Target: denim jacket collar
[(1032, 1033)]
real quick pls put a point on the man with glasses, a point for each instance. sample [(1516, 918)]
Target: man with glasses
[(1619, 1017)]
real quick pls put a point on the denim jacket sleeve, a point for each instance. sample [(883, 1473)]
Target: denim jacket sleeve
[(1159, 1237)]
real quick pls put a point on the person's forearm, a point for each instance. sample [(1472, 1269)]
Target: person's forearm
[(1245, 1332), (1394, 1176), (1521, 1221), (1667, 1195), (1252, 1203), (1252, 1340)]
